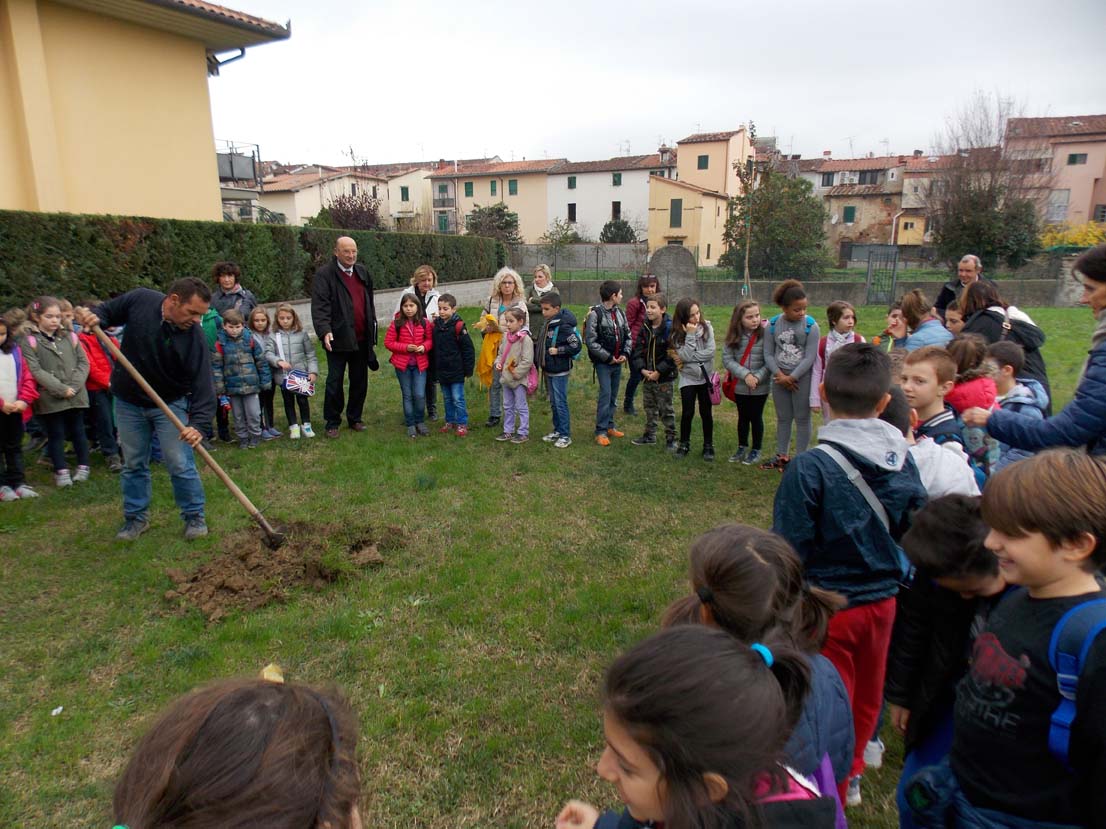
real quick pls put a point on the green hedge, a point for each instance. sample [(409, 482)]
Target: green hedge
[(79, 257)]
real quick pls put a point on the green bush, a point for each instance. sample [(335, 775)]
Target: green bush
[(79, 256)]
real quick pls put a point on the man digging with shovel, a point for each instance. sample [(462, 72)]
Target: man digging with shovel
[(165, 342)]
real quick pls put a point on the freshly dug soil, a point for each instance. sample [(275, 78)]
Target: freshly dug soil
[(247, 575)]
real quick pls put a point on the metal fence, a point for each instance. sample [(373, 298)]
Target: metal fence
[(581, 259)]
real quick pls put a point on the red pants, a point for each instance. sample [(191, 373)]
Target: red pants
[(857, 645)]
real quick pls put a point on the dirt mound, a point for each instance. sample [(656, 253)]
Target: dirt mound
[(246, 575)]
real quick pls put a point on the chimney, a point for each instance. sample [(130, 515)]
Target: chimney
[(455, 165), (441, 164), (826, 154), (665, 154), (902, 159), (917, 153), (796, 156)]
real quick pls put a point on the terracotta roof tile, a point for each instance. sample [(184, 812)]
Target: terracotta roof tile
[(704, 137), (883, 162), (860, 190), (212, 11), (624, 162), (927, 163), (292, 182), (1055, 127), (543, 165), (399, 168)]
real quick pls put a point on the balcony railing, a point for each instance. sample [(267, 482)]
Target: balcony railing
[(445, 202)]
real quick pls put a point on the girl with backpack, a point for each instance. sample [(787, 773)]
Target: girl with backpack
[(841, 316), (789, 352), (695, 724), (693, 340), (515, 364), (60, 367), (410, 338), (743, 358)]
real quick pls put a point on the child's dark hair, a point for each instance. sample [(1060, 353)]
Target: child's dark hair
[(736, 330), (954, 306), (857, 377), (1060, 493), (39, 305), (232, 316), (1091, 264), (658, 298), (552, 299), (1006, 353), (608, 289), (836, 309), (223, 268), (697, 701), (979, 296), (682, 316), (449, 299), (188, 287), (897, 410), (944, 367), (244, 752), (945, 539), (420, 312), (968, 351), (643, 281), (748, 581), (788, 293), (8, 345), (515, 313)]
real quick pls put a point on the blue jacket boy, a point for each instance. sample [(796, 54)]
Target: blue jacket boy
[(560, 333), (239, 365), (1029, 398)]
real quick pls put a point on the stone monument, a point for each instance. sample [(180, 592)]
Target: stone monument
[(676, 271)]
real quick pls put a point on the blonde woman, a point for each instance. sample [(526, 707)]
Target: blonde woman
[(507, 292), (424, 283), (543, 284)]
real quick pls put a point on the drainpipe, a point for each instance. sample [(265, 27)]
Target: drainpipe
[(895, 226)]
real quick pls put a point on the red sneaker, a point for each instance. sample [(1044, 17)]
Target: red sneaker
[(445, 430), (461, 431)]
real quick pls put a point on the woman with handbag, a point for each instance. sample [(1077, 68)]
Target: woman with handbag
[(986, 314), (747, 379), (693, 341)]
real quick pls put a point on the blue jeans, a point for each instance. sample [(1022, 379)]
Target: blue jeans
[(137, 427), (558, 401), (495, 396), (929, 751), (609, 376), (455, 410), (412, 383)]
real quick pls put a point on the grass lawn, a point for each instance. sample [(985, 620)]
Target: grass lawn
[(511, 577)]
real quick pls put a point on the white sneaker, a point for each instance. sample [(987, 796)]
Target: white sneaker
[(24, 491), (81, 474), (63, 478), (7, 494), (551, 437), (852, 796), (294, 432), (873, 754), (563, 442), (307, 432)]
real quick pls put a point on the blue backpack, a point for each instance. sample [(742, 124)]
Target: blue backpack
[(772, 324), (1071, 641)]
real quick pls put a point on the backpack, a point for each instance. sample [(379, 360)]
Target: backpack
[(772, 324), (1071, 640)]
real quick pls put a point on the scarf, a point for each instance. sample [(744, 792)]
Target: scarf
[(511, 340), (834, 341), (542, 291)]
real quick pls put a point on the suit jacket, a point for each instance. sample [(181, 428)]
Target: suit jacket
[(332, 307)]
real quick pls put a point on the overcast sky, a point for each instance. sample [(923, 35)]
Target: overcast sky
[(427, 79)]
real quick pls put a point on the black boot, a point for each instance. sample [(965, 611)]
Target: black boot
[(708, 451), (492, 421), (683, 449)]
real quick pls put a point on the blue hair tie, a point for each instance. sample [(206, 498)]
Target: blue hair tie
[(765, 654)]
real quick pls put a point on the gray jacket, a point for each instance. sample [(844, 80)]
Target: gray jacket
[(58, 365), (696, 354), (755, 365), (298, 350)]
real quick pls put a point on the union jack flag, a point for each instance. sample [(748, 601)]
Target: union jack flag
[(298, 382)]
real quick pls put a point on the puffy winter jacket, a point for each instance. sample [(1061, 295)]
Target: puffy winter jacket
[(58, 365), (825, 725), (560, 333), (697, 356), (100, 363), (1028, 397), (26, 388), (402, 334), (651, 351), (755, 365), (298, 350), (1081, 423), (454, 355), (605, 333), (928, 332), (239, 365)]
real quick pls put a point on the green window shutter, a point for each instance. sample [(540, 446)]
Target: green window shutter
[(850, 215), (572, 182), (404, 194), (616, 179), (512, 187), (443, 190), (468, 189), (493, 186), (676, 213), (704, 161)]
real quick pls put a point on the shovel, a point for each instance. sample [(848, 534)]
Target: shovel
[(273, 539)]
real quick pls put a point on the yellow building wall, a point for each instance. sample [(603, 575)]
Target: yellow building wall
[(913, 235), (711, 229), (703, 222), (529, 204), (15, 189), (720, 174), (129, 111)]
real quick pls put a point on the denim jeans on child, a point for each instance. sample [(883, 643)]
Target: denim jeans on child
[(495, 396), (412, 384), (609, 376), (453, 394), (514, 405), (137, 426), (558, 401)]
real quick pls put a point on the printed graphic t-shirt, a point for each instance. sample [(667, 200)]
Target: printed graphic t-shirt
[(1003, 709)]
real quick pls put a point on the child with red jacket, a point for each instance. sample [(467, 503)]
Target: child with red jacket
[(974, 387), (100, 404), (410, 338), (17, 392)]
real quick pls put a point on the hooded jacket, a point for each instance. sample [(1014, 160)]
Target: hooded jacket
[(825, 724), (454, 355), (239, 365), (697, 356), (100, 362), (841, 541), (298, 352), (516, 359), (1029, 398), (402, 333), (58, 364), (560, 333), (651, 351), (945, 469), (1023, 331), (928, 332), (25, 387)]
